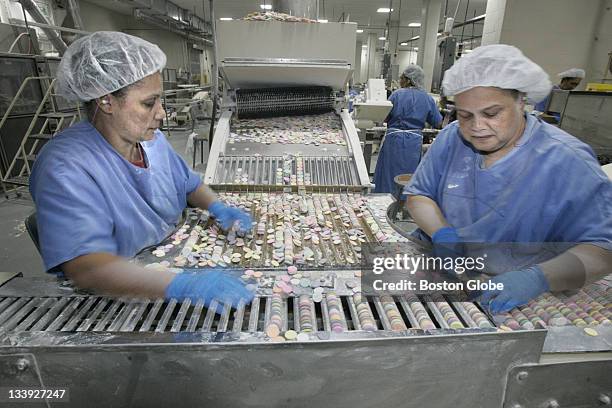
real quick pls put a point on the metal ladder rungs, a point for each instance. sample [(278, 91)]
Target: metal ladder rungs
[(57, 115), (42, 136), (19, 181)]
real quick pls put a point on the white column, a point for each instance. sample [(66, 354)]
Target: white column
[(357, 67), (601, 46), (491, 31), (430, 20), (371, 71), (555, 34)]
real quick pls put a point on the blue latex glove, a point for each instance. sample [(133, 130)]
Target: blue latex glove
[(447, 244), (226, 217), (519, 288), (208, 286)]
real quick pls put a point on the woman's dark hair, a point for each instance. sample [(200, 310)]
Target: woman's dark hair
[(91, 106), (408, 80), (514, 93)]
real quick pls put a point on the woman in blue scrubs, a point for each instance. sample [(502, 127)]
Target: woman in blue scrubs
[(112, 185), (401, 150), (499, 176), (570, 79)]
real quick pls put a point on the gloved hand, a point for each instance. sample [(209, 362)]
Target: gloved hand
[(208, 286), (519, 288), (226, 217), (447, 244)]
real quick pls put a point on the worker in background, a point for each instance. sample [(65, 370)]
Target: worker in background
[(401, 149), (498, 175), (109, 186), (570, 79)]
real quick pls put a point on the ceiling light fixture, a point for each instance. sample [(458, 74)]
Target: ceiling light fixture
[(414, 25), (359, 31), (384, 10), (226, 19), (265, 6)]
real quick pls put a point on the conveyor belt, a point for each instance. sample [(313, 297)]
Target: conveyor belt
[(336, 308), (315, 130), (311, 230), (283, 101), (263, 172), (300, 313)]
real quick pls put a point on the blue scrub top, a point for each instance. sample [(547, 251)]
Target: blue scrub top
[(90, 199), (549, 188), (541, 106), (412, 107)]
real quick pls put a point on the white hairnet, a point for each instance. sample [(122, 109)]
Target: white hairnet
[(501, 66), (415, 74), (572, 73), (104, 62)]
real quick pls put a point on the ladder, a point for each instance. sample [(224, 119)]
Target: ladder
[(19, 170)]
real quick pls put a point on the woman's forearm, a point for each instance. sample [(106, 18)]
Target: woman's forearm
[(582, 264), (426, 214), (202, 197), (112, 275)]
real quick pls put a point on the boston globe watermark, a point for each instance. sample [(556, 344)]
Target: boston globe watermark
[(403, 268)]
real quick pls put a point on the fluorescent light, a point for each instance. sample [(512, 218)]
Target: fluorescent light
[(416, 48), (416, 37), (226, 19), (414, 25), (404, 43), (364, 46), (359, 31), (382, 38), (265, 6), (322, 20), (384, 10)]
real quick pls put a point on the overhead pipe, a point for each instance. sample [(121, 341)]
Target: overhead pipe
[(38, 16), (470, 21), (140, 15), (75, 12), (163, 6), (49, 26)]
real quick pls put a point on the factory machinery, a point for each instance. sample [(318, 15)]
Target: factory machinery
[(286, 154)]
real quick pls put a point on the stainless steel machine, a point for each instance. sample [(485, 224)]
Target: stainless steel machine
[(284, 108), (309, 337), (588, 116)]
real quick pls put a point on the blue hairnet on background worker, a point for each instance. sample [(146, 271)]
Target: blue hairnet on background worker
[(498, 175), (401, 149), (109, 186), (570, 79)]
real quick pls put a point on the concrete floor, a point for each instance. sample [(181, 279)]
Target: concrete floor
[(17, 251)]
